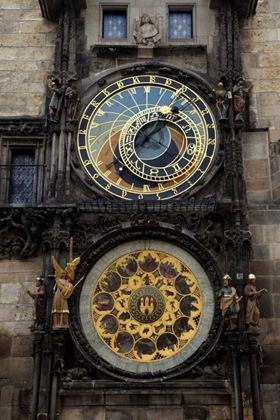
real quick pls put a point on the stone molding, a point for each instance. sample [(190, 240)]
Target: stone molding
[(51, 8)]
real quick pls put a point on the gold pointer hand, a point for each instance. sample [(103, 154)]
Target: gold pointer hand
[(177, 93)]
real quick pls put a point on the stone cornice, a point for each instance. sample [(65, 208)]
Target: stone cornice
[(51, 8), (245, 8)]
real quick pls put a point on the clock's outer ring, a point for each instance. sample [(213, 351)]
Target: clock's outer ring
[(83, 332)]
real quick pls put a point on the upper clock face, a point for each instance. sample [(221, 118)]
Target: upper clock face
[(147, 137)]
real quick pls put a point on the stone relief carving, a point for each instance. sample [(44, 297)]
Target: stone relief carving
[(72, 100), (55, 101), (21, 127), (148, 30), (20, 233), (252, 296), (240, 93), (229, 303), (222, 100), (24, 231)]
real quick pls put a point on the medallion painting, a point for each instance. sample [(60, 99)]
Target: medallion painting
[(146, 306)]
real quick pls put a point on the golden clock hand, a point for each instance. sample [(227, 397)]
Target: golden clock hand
[(176, 109), (174, 99)]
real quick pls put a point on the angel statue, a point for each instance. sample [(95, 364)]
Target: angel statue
[(63, 289), (55, 102), (147, 31)]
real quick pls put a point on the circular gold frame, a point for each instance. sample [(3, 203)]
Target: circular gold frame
[(140, 358)]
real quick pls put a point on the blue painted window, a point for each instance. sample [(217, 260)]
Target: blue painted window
[(180, 25), (114, 24)]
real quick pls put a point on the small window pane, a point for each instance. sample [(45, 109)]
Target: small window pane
[(22, 176), (180, 25), (114, 24)]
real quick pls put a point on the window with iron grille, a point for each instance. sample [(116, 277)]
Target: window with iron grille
[(114, 23), (22, 176)]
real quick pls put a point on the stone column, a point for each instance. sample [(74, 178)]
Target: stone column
[(253, 348), (37, 338), (232, 346)]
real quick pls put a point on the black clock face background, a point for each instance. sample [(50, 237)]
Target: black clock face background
[(147, 137)]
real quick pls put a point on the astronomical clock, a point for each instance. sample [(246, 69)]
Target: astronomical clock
[(147, 306), (147, 137)]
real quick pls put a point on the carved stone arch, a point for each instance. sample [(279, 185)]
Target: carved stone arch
[(93, 83)]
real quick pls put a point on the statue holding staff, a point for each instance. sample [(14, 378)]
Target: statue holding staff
[(40, 302)]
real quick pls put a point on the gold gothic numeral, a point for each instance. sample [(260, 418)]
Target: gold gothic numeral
[(94, 103)]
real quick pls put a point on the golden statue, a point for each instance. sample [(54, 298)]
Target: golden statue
[(63, 289)]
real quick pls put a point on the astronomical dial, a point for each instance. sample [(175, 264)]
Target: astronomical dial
[(147, 137)]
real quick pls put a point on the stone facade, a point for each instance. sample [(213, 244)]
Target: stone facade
[(260, 54), (260, 45), (27, 55), (27, 46)]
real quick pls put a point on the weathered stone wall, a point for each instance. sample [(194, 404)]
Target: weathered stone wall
[(198, 53), (156, 404), (257, 169), (202, 34), (26, 56), (16, 313), (265, 227), (260, 41), (260, 37)]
